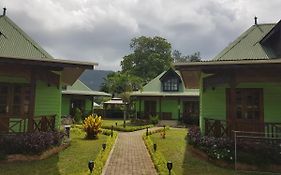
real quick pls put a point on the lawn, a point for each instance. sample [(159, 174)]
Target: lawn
[(175, 148), (73, 160)]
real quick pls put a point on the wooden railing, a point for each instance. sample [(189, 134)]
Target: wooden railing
[(44, 123), (14, 125), (216, 128), (219, 128)]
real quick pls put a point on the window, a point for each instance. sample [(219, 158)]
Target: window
[(14, 100), (171, 84)]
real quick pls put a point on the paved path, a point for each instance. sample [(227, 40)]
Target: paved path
[(130, 156)]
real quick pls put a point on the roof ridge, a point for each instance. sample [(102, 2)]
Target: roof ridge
[(237, 41), (84, 85), (24, 35)]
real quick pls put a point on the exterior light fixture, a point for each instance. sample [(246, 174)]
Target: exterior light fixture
[(147, 131), (115, 123), (91, 166), (169, 166), (154, 146), (111, 131), (67, 130), (103, 146)]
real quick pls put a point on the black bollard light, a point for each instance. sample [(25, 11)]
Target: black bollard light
[(124, 124), (91, 166), (154, 146), (115, 123), (147, 131), (169, 166), (103, 146), (111, 131)]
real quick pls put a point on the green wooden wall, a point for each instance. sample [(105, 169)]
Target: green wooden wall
[(167, 105), (213, 101), (48, 100), (65, 105)]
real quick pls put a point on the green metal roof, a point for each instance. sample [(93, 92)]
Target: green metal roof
[(79, 88), (153, 88), (247, 46), (14, 42)]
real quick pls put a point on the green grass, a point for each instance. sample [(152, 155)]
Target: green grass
[(175, 148), (73, 160)]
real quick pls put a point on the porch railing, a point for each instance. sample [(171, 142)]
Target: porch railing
[(216, 128), (219, 128), (14, 125)]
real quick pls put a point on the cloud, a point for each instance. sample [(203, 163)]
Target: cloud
[(101, 30)]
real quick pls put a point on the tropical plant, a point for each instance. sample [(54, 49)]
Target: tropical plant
[(92, 126)]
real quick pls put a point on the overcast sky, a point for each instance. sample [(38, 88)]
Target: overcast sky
[(101, 30)]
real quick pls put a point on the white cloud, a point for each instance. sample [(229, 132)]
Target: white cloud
[(100, 30)]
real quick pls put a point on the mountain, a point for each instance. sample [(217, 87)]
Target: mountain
[(94, 78)]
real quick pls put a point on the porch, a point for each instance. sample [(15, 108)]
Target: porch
[(15, 125), (221, 128)]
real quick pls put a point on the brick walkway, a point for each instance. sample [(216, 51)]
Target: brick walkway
[(130, 156)]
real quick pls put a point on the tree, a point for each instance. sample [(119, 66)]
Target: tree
[(151, 56), (118, 82), (179, 58)]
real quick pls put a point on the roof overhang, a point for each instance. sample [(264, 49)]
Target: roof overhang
[(70, 70), (85, 93), (191, 71)]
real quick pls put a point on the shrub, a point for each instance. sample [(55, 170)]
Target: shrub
[(92, 126), (139, 122), (154, 119), (216, 148), (30, 143)]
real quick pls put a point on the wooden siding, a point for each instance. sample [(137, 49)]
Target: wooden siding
[(65, 105), (213, 101), (48, 100)]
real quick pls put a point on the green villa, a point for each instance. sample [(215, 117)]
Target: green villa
[(79, 96), (167, 97), (240, 89), (31, 82)]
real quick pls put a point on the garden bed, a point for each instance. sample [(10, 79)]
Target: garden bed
[(72, 160)]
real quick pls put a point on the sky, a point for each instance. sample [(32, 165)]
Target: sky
[(101, 30)]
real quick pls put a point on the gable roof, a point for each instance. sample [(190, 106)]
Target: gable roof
[(14, 42), (79, 88), (153, 88), (247, 46), (170, 73)]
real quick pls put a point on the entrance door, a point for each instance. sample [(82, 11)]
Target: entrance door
[(149, 108), (191, 112), (77, 103), (247, 110)]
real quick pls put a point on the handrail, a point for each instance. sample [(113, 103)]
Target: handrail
[(16, 125)]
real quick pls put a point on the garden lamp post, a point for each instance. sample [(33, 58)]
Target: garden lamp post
[(154, 146), (147, 131), (91, 166), (103, 146), (169, 166), (67, 130), (111, 131)]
